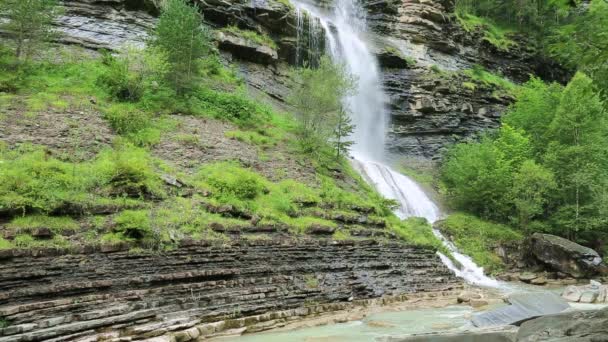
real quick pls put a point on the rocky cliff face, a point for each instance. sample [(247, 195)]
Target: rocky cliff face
[(413, 40), (201, 289)]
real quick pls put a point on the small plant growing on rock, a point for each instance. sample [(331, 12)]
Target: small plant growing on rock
[(133, 224)]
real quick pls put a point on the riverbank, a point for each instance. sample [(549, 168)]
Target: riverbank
[(415, 319)]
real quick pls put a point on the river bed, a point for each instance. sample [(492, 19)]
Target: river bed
[(377, 325)]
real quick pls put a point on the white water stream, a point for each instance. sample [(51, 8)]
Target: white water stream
[(345, 27)]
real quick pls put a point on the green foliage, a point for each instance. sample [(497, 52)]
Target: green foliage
[(235, 107), (4, 244), (32, 181), (415, 230), (477, 177), (343, 130), (581, 43), (54, 223), (481, 76), (185, 40), (133, 72), (133, 224), (316, 97), (229, 179), (534, 110), (533, 16), (253, 36), (478, 238), (533, 185), (30, 22), (494, 34), (128, 171), (545, 171)]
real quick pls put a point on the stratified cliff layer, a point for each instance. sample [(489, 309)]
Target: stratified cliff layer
[(413, 40), (200, 289)]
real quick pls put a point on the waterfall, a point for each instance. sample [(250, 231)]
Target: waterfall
[(345, 28)]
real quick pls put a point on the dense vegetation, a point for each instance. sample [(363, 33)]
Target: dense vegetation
[(124, 191), (545, 169)]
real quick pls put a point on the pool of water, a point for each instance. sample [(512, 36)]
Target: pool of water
[(378, 325), (373, 326)]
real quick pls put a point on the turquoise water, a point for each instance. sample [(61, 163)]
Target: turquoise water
[(372, 327)]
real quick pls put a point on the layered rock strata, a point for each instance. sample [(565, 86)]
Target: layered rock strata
[(111, 292), (412, 38)]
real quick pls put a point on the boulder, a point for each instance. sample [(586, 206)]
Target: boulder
[(527, 277), (592, 293), (539, 281), (467, 296), (565, 256), (579, 326), (572, 294)]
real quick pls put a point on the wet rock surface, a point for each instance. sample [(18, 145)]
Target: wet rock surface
[(593, 293), (47, 294), (583, 326)]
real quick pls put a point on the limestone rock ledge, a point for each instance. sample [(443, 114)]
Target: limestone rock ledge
[(202, 288)]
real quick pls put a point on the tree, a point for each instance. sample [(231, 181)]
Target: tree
[(478, 178), (344, 128), (532, 186), (185, 40), (534, 110), (582, 44), (30, 23), (577, 154), (316, 96)]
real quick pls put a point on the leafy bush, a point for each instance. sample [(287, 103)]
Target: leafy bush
[(30, 180), (128, 170), (133, 224), (128, 76), (229, 179), (234, 107), (126, 119)]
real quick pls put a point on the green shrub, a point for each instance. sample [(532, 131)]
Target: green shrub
[(31, 180), (126, 119), (54, 223), (133, 224), (129, 170), (233, 107), (4, 244), (128, 76), (230, 179)]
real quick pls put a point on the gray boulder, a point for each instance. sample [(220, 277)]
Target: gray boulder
[(589, 294), (565, 256), (580, 326)]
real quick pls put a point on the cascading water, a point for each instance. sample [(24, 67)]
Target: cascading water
[(345, 29)]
